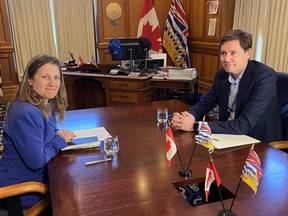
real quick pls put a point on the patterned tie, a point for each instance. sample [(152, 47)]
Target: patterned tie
[(232, 100)]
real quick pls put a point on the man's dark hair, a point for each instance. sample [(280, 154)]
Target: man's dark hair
[(245, 38)]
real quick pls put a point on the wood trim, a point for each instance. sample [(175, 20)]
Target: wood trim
[(5, 39)]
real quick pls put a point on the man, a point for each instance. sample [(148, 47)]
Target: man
[(245, 91)]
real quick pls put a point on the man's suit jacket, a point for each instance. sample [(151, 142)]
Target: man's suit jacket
[(257, 111)]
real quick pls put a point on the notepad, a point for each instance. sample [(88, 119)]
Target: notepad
[(88, 138), (221, 141)]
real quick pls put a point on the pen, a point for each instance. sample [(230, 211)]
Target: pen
[(97, 161)]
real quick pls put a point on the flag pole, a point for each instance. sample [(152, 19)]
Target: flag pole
[(178, 153), (188, 172), (240, 180), (220, 195)]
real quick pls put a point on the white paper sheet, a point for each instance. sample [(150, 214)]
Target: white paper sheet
[(88, 138), (221, 141)]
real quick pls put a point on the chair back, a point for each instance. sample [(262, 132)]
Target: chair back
[(10, 196), (282, 86)]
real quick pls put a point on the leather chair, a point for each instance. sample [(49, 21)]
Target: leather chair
[(282, 83)]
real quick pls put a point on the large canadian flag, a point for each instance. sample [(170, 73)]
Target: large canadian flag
[(149, 27)]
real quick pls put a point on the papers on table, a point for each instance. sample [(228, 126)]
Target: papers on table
[(88, 138), (221, 141)]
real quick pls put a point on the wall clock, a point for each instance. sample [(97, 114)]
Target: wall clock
[(113, 11)]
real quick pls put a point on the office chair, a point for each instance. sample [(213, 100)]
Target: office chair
[(282, 83), (12, 193)]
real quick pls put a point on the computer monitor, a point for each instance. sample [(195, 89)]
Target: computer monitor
[(150, 64), (129, 48)]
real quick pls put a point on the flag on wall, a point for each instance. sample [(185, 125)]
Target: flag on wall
[(171, 148), (211, 175), (175, 38), (149, 27), (252, 171)]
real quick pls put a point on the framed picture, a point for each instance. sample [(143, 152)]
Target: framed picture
[(213, 8)]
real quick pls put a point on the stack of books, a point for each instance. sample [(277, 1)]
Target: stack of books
[(174, 73)]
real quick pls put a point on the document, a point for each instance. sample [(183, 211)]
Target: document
[(88, 138), (221, 141)]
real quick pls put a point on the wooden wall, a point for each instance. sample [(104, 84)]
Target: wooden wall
[(204, 49), (9, 76)]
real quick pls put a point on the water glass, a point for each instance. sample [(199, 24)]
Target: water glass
[(162, 115), (111, 145)]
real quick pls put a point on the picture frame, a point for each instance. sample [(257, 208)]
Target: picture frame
[(213, 7)]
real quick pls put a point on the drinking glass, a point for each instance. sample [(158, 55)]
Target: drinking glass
[(111, 146), (162, 115)]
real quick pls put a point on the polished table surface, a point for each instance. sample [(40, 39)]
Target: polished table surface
[(139, 182)]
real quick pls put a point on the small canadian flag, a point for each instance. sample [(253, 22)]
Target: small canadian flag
[(81, 62), (171, 148)]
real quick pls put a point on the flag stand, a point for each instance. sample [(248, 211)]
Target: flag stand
[(229, 212), (187, 172), (223, 212), (226, 212), (183, 172)]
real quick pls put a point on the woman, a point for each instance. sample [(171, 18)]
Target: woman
[(30, 135)]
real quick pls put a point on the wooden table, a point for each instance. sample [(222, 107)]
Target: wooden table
[(139, 182)]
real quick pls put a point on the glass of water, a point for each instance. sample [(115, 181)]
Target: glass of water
[(162, 115), (111, 146)]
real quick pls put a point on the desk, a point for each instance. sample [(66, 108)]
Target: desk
[(163, 87), (89, 90), (139, 182)]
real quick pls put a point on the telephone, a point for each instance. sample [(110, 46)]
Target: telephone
[(116, 71)]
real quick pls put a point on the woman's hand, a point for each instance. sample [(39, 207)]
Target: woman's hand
[(183, 121), (66, 134)]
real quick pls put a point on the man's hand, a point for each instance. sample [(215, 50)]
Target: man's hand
[(183, 121)]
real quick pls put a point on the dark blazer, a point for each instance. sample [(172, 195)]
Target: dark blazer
[(30, 141), (257, 112)]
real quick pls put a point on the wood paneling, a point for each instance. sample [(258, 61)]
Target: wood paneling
[(5, 39), (197, 20), (108, 29), (9, 76), (203, 48)]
